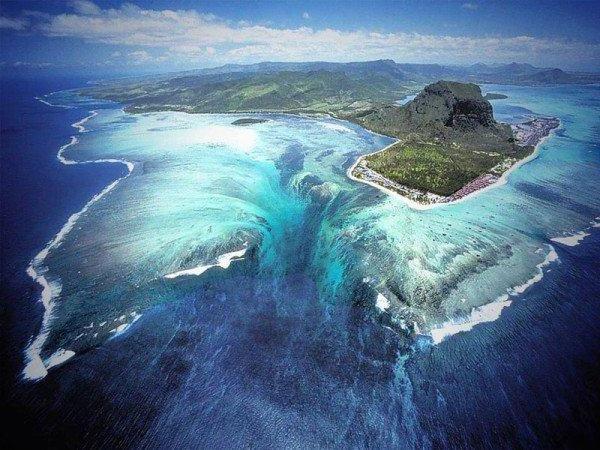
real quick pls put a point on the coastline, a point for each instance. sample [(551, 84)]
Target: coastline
[(45, 102), (36, 368), (500, 181), (416, 205), (411, 203)]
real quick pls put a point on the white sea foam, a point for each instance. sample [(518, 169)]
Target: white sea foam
[(58, 357), (198, 270), (125, 326), (336, 127), (482, 314), (490, 311), (550, 257), (45, 102), (60, 156), (35, 368), (223, 261), (79, 125), (382, 303), (573, 240)]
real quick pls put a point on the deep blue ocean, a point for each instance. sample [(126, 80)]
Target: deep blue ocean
[(249, 357)]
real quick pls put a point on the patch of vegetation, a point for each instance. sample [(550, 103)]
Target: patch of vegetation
[(435, 168), (247, 121)]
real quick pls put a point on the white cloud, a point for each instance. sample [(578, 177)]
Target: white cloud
[(86, 7), (13, 24), (305, 15), (187, 36), (139, 56), (34, 65), (470, 6), (142, 57)]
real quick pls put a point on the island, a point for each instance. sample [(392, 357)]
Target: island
[(494, 96), (248, 121), (448, 144)]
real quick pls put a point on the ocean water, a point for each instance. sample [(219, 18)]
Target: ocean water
[(225, 286), (38, 194)]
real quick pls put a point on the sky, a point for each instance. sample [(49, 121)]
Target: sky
[(116, 37)]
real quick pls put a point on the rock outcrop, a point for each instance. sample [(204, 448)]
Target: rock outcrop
[(444, 112)]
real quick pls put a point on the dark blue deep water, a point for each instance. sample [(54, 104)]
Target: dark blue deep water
[(229, 365), (38, 194)]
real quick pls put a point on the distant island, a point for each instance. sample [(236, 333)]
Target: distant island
[(494, 96), (449, 144)]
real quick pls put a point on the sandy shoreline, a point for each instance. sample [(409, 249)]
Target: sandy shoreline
[(481, 184), (413, 204)]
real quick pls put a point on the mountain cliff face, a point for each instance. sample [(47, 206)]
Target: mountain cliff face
[(450, 104), (445, 111)]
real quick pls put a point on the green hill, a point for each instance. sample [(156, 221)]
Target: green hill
[(318, 91)]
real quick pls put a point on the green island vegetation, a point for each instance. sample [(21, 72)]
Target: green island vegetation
[(313, 91), (447, 134), (447, 138), (431, 167)]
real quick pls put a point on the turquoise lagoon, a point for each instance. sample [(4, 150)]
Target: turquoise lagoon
[(207, 201)]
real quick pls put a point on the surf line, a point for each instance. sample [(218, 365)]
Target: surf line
[(223, 261), (46, 102), (35, 367), (489, 312)]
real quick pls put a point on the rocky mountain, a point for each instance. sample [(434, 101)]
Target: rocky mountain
[(448, 138), (443, 111)]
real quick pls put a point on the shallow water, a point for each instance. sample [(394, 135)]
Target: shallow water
[(290, 331)]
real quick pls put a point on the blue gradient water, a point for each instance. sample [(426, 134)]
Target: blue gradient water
[(286, 347)]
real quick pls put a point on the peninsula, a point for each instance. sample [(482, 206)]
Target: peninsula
[(449, 145)]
